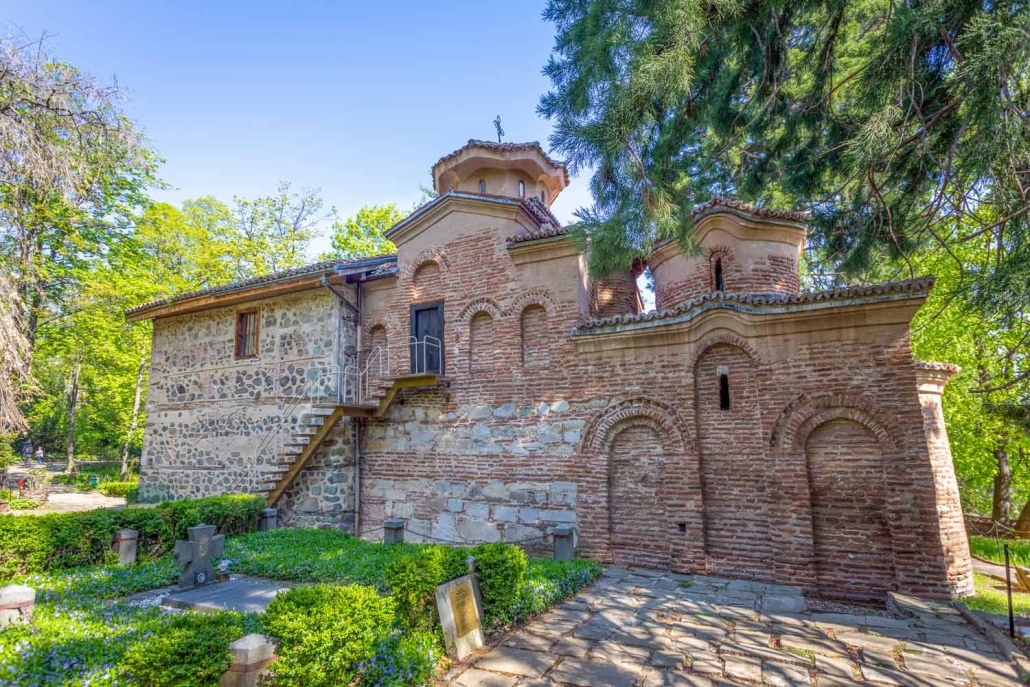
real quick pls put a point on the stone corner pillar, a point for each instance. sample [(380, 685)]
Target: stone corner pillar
[(125, 545), (931, 379), (16, 604), (250, 658)]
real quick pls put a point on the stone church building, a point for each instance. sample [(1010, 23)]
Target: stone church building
[(481, 386)]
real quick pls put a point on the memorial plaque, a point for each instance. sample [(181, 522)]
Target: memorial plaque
[(461, 616), (463, 602)]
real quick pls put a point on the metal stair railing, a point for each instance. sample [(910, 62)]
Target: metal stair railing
[(357, 381)]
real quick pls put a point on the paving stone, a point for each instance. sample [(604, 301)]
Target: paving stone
[(530, 642), (743, 668), (516, 661), (783, 604), (692, 643), (572, 646), (592, 630), (668, 678), (573, 615), (777, 675), (668, 659), (619, 653), (481, 678), (648, 640), (838, 681), (818, 646), (706, 665), (834, 666), (711, 634), (577, 671)]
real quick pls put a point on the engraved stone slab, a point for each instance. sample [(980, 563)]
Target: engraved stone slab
[(461, 616)]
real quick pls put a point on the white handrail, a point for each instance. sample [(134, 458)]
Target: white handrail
[(427, 342)]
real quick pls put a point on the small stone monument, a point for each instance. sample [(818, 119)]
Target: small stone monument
[(269, 520), (125, 544), (16, 604), (564, 543), (461, 614), (195, 554), (250, 658), (393, 531)]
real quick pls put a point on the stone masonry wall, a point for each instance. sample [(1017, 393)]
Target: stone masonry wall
[(212, 420)]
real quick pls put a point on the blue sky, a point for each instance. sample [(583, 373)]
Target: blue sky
[(357, 99)]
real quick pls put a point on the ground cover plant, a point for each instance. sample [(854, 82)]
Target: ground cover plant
[(371, 622)]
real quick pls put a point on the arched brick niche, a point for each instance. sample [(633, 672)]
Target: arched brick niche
[(834, 459), (731, 450), (640, 496)]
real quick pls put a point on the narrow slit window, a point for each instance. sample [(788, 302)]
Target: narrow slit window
[(522, 189), (247, 327), (724, 392), (718, 275), (482, 186)]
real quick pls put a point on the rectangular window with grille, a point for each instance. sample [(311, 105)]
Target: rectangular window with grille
[(247, 328)]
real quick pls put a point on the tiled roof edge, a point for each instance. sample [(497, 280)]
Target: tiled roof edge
[(748, 208), (326, 267), (917, 285), (501, 147)]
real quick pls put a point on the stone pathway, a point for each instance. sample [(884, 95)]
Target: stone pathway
[(63, 498), (646, 629)]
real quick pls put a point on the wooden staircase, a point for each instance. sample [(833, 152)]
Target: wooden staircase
[(316, 424)]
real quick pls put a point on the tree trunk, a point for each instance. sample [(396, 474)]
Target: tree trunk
[(135, 410), (1002, 488), (73, 401), (1023, 524)]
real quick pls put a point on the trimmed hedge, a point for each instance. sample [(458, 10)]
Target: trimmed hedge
[(326, 632), (116, 488), (33, 544)]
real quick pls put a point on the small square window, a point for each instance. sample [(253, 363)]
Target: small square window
[(247, 328)]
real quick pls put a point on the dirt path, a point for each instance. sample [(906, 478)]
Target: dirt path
[(63, 498)]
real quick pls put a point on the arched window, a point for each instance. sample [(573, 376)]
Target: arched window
[(482, 185), (718, 275), (522, 189), (724, 392), (534, 337)]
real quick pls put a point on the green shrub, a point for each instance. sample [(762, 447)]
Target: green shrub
[(23, 504), (116, 488), (230, 514), (412, 581), (402, 659), (132, 495), (502, 572), (189, 650), (325, 632), (69, 540)]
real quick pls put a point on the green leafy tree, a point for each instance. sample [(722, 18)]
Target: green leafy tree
[(888, 120), (362, 234), (275, 232)]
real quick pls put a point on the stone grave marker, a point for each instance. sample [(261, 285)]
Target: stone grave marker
[(195, 554), (461, 616)]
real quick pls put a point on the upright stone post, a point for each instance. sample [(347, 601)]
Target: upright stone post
[(250, 658), (393, 531), (564, 543), (16, 604), (269, 520), (125, 544)]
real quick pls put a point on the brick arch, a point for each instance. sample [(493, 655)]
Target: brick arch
[(431, 254), (532, 297), (616, 418), (477, 306), (386, 322), (793, 433), (722, 340)]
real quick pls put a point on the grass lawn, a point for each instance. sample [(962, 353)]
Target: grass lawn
[(84, 635), (990, 597), (990, 549)]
